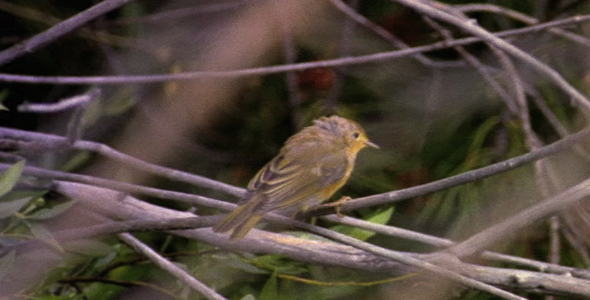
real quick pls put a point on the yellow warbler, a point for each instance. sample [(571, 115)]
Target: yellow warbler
[(312, 165)]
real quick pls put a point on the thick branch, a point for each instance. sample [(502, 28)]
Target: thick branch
[(309, 251)]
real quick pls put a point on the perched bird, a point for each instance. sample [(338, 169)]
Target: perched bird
[(312, 165)]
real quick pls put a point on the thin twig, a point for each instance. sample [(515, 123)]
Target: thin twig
[(49, 142), (361, 59), (110, 227), (178, 14), (74, 131), (544, 182), (62, 105), (470, 176), (114, 227), (442, 242), (124, 187), (290, 51), (169, 267), (329, 104), (572, 234), (99, 36), (548, 113), (379, 199), (479, 66), (555, 240), (411, 261), (386, 35), (522, 219), (523, 18), (59, 30), (470, 26)]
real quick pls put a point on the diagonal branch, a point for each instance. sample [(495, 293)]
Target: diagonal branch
[(470, 176), (469, 25), (171, 268), (521, 220), (59, 30), (46, 142)]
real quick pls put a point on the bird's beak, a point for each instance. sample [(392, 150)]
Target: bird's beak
[(371, 144)]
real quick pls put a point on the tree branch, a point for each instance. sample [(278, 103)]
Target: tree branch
[(47, 142), (519, 221), (309, 251), (356, 60), (59, 30), (169, 267), (470, 25), (471, 176)]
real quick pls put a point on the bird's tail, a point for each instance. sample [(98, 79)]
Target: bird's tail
[(241, 220)]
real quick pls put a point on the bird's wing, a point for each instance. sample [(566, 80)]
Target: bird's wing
[(294, 182)]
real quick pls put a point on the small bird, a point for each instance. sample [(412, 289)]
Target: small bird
[(312, 165)]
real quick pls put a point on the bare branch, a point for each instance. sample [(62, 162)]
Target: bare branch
[(48, 19), (346, 35), (397, 256), (479, 66), (509, 164), (384, 34), (521, 220), (310, 251), (290, 52), (123, 186), (369, 201), (523, 18), (361, 59), (175, 14), (49, 142), (171, 268), (414, 262), (64, 104), (442, 242), (59, 30), (428, 8)]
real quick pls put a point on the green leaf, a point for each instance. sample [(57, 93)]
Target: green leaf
[(9, 208), (270, 289), (21, 194), (378, 217), (42, 233), (52, 212), (278, 263), (89, 248), (9, 178), (3, 94), (77, 161), (381, 218), (7, 263), (246, 267), (52, 297)]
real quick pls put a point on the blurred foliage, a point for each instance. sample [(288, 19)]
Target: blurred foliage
[(426, 133)]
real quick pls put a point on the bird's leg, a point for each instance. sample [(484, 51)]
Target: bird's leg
[(336, 205)]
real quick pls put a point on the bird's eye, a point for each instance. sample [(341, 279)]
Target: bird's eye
[(356, 135)]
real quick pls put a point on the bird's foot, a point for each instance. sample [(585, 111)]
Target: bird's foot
[(336, 205)]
